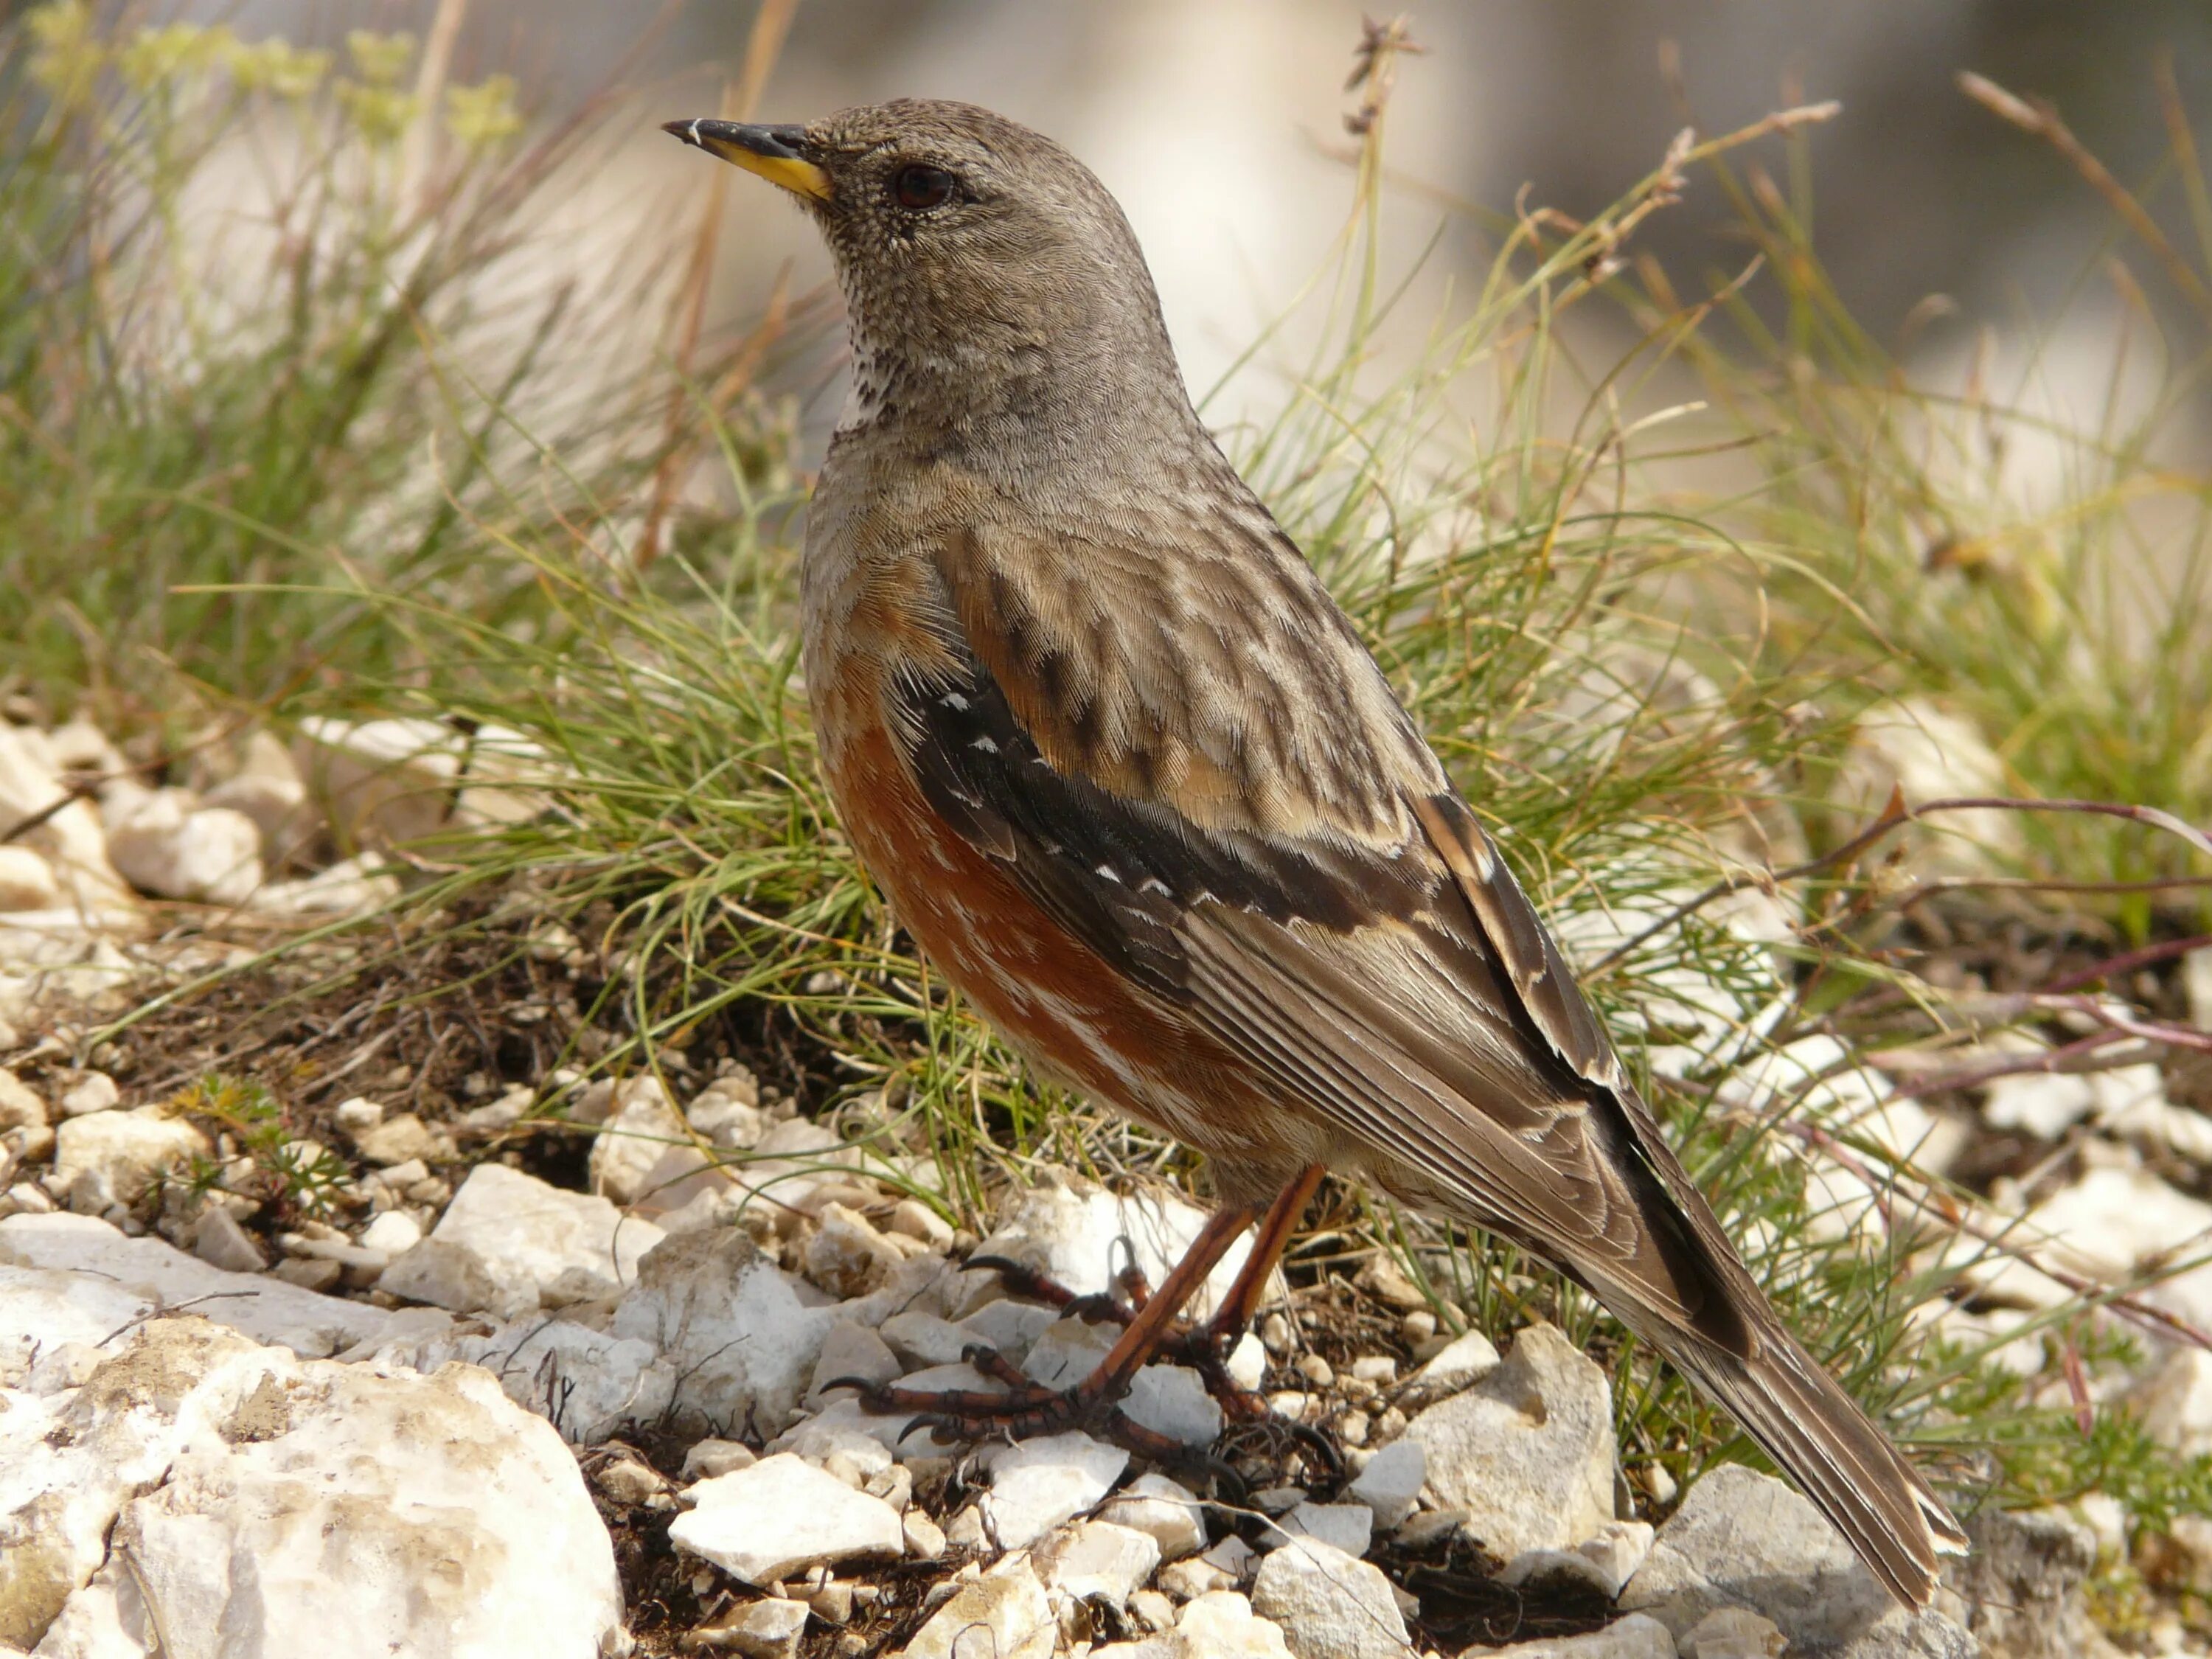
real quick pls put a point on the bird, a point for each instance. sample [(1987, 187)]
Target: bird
[(1129, 778)]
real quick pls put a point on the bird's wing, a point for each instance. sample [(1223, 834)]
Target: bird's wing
[(1375, 962)]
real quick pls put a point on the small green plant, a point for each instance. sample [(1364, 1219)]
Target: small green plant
[(297, 1179)]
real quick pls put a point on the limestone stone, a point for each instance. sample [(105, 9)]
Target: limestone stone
[(104, 1159), (1036, 1485), (267, 1507), (1330, 1605), (781, 1516), (1638, 1636), (1528, 1451), (1004, 1613), (1164, 1508), (527, 1239)]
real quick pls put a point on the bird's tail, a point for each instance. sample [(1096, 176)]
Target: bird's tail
[(1802, 1419)]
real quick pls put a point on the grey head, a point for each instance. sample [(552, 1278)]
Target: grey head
[(995, 293)]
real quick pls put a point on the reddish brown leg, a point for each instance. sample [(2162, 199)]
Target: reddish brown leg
[(1029, 1409), (1206, 1347), (1148, 1329)]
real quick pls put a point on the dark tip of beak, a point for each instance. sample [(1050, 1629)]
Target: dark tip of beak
[(774, 144)]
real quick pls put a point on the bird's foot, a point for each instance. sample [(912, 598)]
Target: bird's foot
[(1203, 1346)]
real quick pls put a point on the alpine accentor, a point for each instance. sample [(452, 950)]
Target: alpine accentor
[(1126, 773)]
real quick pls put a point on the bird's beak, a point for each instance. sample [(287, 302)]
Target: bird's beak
[(772, 152)]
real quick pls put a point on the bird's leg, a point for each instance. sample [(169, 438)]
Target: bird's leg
[(1206, 1347), (1029, 1409), (1148, 1330)]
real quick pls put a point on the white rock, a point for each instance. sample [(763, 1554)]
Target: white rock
[(640, 1130), (847, 1256), (591, 1385), (837, 1445), (2175, 1401), (292, 1507), (1072, 1232), (21, 1106), (925, 1539), (727, 1111), (104, 1158), (1460, 1363), (781, 1516), (1930, 754), (711, 1457), (1732, 1633), (1528, 1451), (68, 1257), (1221, 1625), (730, 1326), (1330, 1605), (350, 887), (1639, 1636), (1600, 1565), (1246, 1364), (268, 789), (766, 1629), (1069, 1350), (1166, 1510), (381, 781), (1743, 1539), (850, 1350), (1348, 1527), (91, 1091), (2019, 1591), (2111, 1224), (927, 1339), (1098, 1561), (27, 882), (402, 1139), (1004, 1614), (1391, 1482), (164, 843), (528, 1238), (1172, 1400), (1038, 1483), (70, 839), (220, 1242), (2044, 1105), (395, 1232)]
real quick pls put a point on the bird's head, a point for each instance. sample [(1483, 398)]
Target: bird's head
[(967, 245)]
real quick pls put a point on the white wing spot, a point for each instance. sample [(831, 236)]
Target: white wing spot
[(1106, 871), (955, 702), (986, 744)]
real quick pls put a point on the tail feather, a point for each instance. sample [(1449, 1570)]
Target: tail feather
[(1855, 1476)]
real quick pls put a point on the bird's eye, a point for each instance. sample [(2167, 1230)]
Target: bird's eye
[(920, 187)]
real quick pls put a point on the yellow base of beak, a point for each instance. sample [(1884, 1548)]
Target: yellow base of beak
[(757, 149)]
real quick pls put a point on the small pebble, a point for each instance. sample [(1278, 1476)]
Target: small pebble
[(1317, 1371), (1151, 1610), (1418, 1326), (1376, 1368), (92, 1091), (1276, 1332), (925, 1539), (710, 1458), (309, 1272), (356, 1113)]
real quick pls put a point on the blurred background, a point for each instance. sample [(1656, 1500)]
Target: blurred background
[(1219, 124)]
